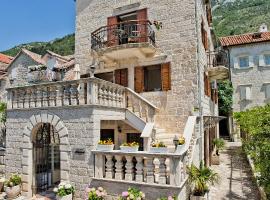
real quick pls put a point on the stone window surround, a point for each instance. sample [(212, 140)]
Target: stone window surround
[(27, 149), (267, 90), (262, 58), (248, 94), (237, 61)]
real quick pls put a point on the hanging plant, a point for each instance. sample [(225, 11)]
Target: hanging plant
[(158, 25)]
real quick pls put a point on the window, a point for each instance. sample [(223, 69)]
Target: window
[(207, 85), (243, 62), (121, 77), (204, 36), (106, 134), (105, 76), (267, 91), (267, 59), (135, 137), (153, 78), (245, 92)]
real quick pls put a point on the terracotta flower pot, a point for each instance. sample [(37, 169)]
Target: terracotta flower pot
[(215, 160), (67, 197), (13, 192)]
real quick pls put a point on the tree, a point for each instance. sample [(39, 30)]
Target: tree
[(225, 99)]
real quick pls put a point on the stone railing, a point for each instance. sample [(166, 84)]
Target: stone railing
[(141, 167), (140, 106), (89, 91)]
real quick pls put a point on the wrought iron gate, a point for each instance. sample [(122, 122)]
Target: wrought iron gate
[(45, 143)]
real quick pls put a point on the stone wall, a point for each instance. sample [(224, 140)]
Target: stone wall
[(78, 127), (18, 70), (177, 40), (255, 76)]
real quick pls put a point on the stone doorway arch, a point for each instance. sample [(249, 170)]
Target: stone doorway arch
[(27, 148)]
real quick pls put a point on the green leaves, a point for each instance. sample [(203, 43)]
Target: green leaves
[(256, 124), (3, 112), (225, 100)]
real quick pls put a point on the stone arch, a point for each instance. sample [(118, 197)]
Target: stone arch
[(27, 148)]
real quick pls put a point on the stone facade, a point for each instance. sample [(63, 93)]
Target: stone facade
[(256, 76)]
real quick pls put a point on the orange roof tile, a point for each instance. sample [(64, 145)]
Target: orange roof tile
[(5, 59), (245, 39)]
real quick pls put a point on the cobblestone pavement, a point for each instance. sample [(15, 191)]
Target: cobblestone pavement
[(235, 176)]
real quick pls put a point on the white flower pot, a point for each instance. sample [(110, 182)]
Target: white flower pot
[(67, 197), (129, 149), (205, 197), (13, 192), (179, 148), (105, 147), (158, 150)]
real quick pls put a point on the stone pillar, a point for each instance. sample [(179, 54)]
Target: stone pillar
[(139, 169), (119, 167), (129, 169)]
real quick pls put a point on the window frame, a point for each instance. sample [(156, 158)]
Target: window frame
[(264, 59), (248, 94), (239, 61)]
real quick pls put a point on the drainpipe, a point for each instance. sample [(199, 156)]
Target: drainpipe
[(199, 85)]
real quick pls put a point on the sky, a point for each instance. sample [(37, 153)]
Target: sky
[(23, 21)]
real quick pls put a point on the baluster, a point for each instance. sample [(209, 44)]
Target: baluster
[(74, 94), (38, 97), (139, 169), (59, 95), (162, 171), (113, 91), (156, 169), (117, 98), (52, 95), (67, 95), (100, 95), (175, 171), (140, 109), (32, 101), (21, 98), (147, 113), (82, 93), (15, 99), (109, 167), (149, 167), (45, 101), (109, 96), (9, 99), (27, 98), (118, 167), (129, 169)]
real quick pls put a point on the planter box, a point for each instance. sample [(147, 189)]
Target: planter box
[(179, 148), (205, 197), (67, 197), (13, 192), (215, 160), (158, 150), (105, 147), (129, 149)]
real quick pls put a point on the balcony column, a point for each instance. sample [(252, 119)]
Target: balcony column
[(67, 95), (109, 167), (162, 171), (82, 93), (27, 98), (74, 94), (139, 169), (45, 101), (52, 95), (32, 99), (119, 167), (59, 95), (38, 97), (129, 169)]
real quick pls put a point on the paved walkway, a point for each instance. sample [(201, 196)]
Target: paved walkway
[(235, 176)]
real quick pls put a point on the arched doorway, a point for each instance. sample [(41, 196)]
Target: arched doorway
[(46, 158)]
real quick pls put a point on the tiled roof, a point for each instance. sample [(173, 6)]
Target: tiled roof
[(34, 56), (245, 39), (67, 65), (65, 58), (5, 59), (70, 75)]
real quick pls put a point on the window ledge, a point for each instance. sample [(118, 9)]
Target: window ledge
[(244, 68)]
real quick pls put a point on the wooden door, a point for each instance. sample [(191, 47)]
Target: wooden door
[(112, 39), (121, 77)]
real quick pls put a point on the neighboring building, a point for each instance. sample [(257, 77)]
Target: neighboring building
[(138, 84), (4, 62), (250, 68)]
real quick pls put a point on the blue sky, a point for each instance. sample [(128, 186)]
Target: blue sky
[(23, 21)]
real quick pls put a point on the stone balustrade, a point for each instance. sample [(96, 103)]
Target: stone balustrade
[(141, 167)]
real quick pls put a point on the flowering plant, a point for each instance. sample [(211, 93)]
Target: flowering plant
[(181, 140), (97, 194), (132, 193), (106, 142), (158, 25), (14, 180), (64, 189), (130, 144), (158, 144)]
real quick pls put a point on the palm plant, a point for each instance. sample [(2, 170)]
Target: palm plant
[(200, 178), (219, 144)]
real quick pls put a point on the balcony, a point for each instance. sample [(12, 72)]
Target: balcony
[(130, 39), (218, 64)]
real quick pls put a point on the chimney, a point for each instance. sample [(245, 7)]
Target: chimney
[(263, 28)]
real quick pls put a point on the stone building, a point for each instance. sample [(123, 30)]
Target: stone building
[(148, 73), (249, 56), (4, 62)]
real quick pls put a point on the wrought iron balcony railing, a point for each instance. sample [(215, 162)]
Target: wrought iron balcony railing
[(123, 33), (217, 58)]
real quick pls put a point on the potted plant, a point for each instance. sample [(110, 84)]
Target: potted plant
[(13, 186), (129, 147), (200, 178), (97, 194), (132, 193), (158, 147), (105, 145), (181, 142), (195, 111), (64, 191), (219, 145)]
